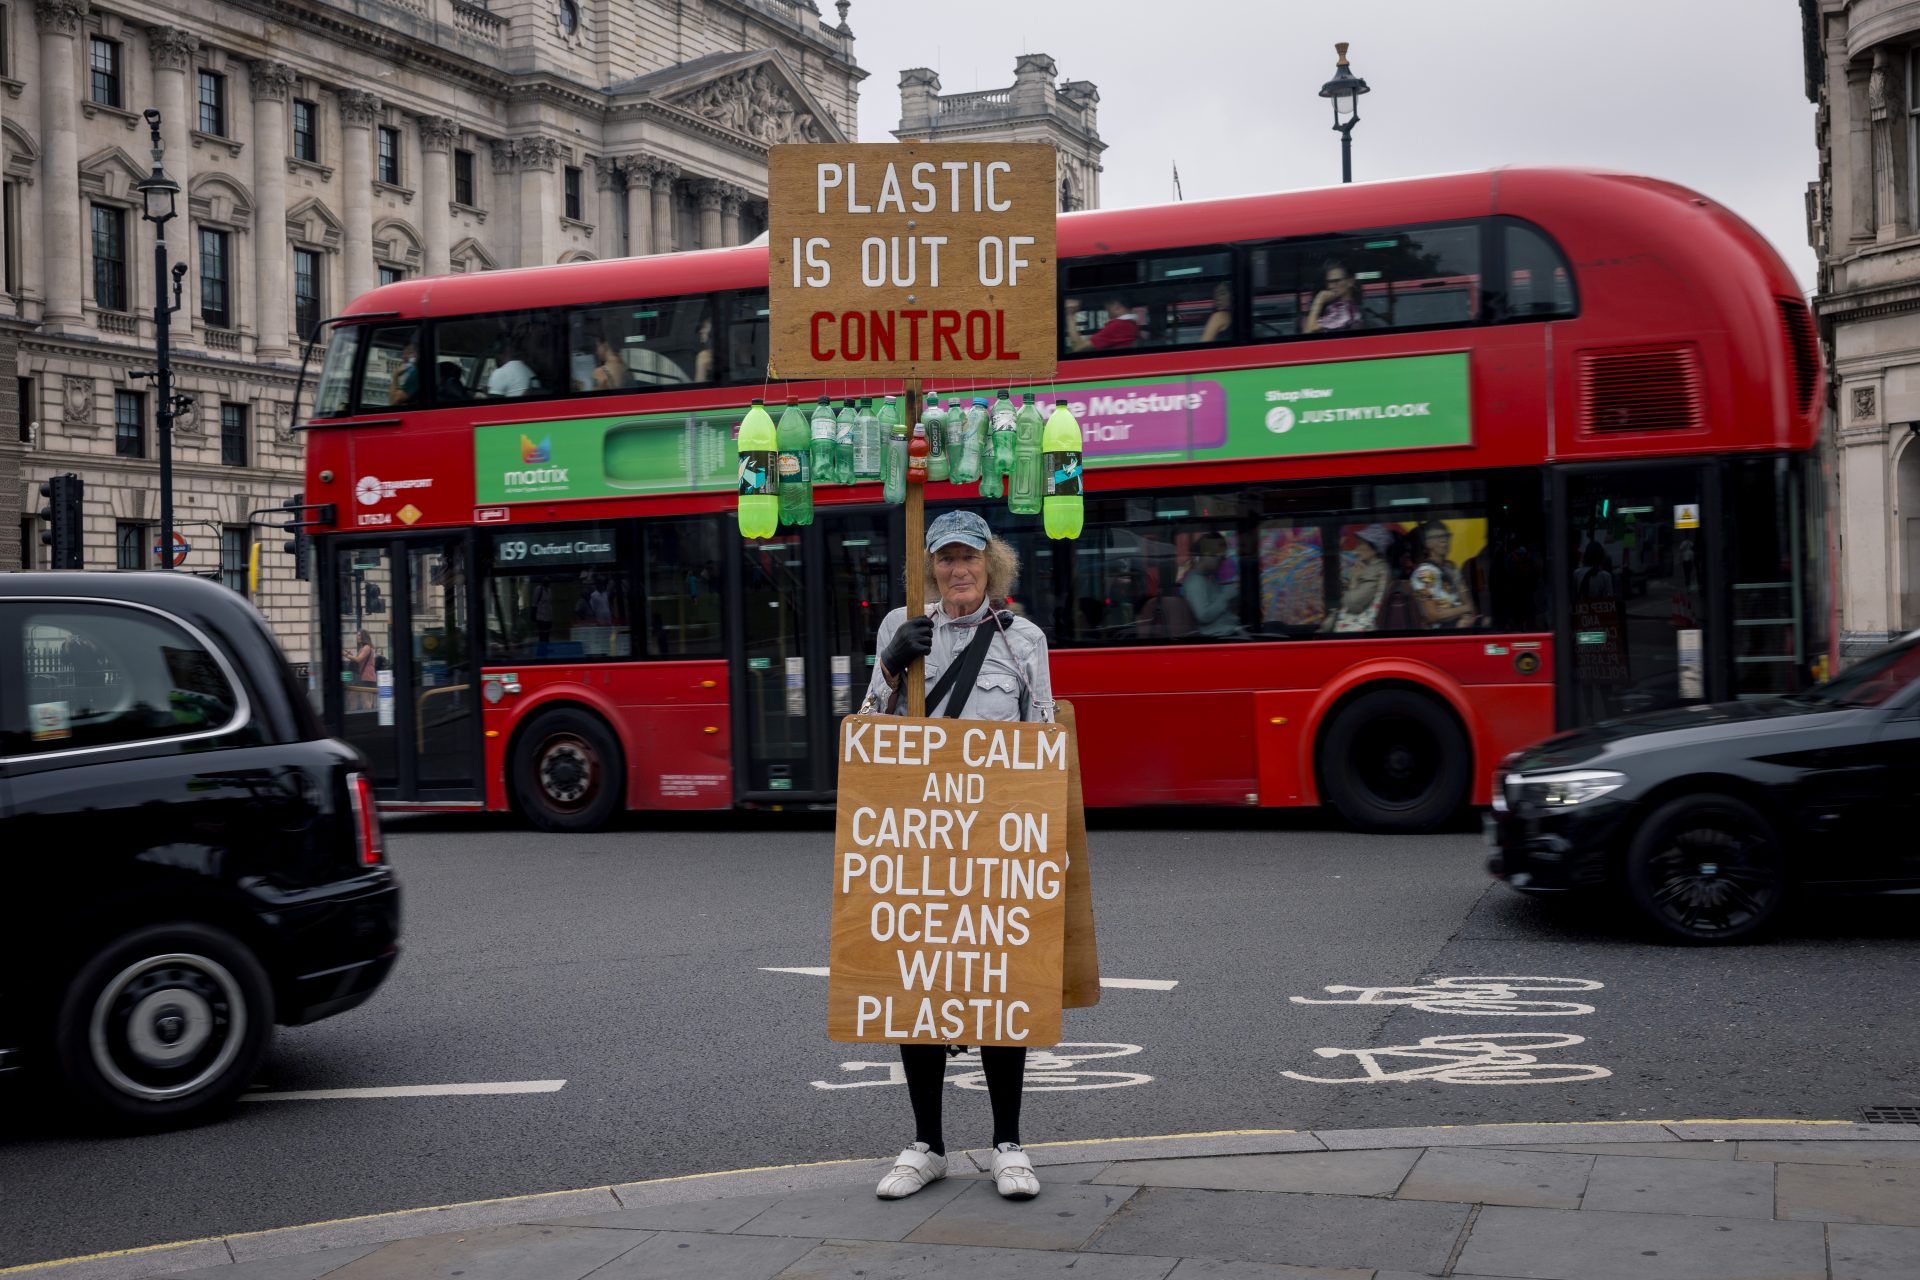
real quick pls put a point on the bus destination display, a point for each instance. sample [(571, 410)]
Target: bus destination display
[(912, 259)]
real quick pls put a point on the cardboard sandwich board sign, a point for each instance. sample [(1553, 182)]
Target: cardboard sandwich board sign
[(950, 882), (912, 259)]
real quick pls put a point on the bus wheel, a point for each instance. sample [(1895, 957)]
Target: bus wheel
[(567, 771), (1395, 761)]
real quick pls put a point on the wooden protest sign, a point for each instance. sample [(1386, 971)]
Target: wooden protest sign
[(1080, 976), (950, 882), (912, 259)]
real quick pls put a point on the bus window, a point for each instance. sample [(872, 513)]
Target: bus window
[(1151, 302), (1392, 279), (747, 315), (1293, 595), (683, 588), (1162, 570), (1538, 282), (392, 376), (657, 342), (558, 593), (500, 357), (334, 392)]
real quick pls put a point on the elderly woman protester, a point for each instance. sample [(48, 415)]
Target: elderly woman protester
[(982, 663)]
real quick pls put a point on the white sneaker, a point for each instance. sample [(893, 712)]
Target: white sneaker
[(916, 1167), (1013, 1174)]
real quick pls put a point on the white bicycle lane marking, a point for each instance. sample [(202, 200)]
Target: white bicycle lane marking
[(1473, 995), (1048, 1070), (1119, 984), (409, 1091)]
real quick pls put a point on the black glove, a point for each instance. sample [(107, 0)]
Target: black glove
[(913, 640)]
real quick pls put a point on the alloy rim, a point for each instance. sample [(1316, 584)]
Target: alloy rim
[(1714, 879), (167, 1026), (568, 771)]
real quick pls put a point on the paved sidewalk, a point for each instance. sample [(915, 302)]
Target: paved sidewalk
[(1687, 1200)]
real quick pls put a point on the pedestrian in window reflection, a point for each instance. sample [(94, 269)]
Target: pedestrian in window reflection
[(969, 571), (1438, 587), (1338, 305), (361, 664)]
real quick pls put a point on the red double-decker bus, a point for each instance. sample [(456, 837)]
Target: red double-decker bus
[(1385, 480)]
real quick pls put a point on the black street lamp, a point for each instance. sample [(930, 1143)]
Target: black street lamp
[(159, 192), (1344, 89)]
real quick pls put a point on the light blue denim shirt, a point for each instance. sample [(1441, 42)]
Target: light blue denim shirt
[(1018, 654)]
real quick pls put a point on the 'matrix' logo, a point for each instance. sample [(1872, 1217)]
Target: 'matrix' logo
[(534, 455), (535, 471)]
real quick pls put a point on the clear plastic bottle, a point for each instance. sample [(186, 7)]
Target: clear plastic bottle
[(894, 469), (1023, 483), (796, 468), (970, 424), (867, 442), (759, 447), (995, 466), (934, 419), (825, 432), (843, 442), (1064, 466)]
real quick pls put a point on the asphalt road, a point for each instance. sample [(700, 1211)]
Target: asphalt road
[(630, 965)]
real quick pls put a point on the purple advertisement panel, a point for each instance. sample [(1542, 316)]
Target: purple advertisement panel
[(1145, 421)]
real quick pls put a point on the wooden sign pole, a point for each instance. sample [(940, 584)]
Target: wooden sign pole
[(916, 557)]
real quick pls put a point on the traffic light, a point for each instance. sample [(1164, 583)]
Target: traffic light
[(64, 495), (298, 546), (374, 601)]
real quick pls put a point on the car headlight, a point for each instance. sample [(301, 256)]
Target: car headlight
[(1562, 790)]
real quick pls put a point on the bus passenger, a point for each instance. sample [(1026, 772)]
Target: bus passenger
[(611, 370), (1438, 587), (1338, 306), (1120, 332), (513, 378), (969, 571), (406, 379), (1222, 318), (703, 362), (451, 384), (1364, 585), (1215, 604)]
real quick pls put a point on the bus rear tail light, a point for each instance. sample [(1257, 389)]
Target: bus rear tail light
[(366, 821)]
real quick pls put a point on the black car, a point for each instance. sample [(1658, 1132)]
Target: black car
[(187, 857), (1711, 816)]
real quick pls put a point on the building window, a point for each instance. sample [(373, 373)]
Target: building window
[(463, 178), (573, 194), (130, 424), (233, 435), (103, 58), (233, 557), (306, 292), (1913, 135), (213, 103), (306, 131), (109, 257), (28, 411), (6, 41), (10, 235), (392, 275), (130, 545), (214, 291), (389, 155)]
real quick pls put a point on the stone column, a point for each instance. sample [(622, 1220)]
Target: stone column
[(1859, 155), (639, 205), (437, 136), (664, 175), (271, 265), (358, 110), (608, 226), (731, 198), (710, 193), (1886, 103), (173, 52), (539, 219), (59, 22)]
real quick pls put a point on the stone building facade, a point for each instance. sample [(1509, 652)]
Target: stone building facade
[(1863, 216), (323, 148), (1034, 109)]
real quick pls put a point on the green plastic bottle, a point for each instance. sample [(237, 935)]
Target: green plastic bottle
[(998, 461), (1023, 483), (1060, 456), (843, 441), (934, 419), (759, 474), (825, 432), (796, 468)]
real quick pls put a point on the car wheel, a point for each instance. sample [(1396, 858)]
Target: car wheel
[(166, 1025), (567, 772), (1395, 761), (1707, 868)]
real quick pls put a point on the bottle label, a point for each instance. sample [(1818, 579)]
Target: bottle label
[(825, 428), (1064, 475), (759, 471), (794, 467)]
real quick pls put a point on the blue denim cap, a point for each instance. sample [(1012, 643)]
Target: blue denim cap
[(958, 526)]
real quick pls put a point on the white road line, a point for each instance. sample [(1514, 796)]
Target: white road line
[(1124, 984), (411, 1091)]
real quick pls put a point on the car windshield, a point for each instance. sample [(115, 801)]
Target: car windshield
[(1875, 679)]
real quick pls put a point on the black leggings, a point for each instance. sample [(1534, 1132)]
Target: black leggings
[(926, 1068)]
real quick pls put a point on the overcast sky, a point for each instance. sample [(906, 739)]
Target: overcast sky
[(1703, 92)]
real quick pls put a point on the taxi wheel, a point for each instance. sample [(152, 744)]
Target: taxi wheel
[(1395, 761), (1707, 868), (164, 1026), (568, 771)]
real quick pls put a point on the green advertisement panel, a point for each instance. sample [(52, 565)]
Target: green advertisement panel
[(1350, 407)]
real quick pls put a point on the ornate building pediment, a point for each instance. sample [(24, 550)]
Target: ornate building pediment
[(755, 97), (110, 173), (311, 222)]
